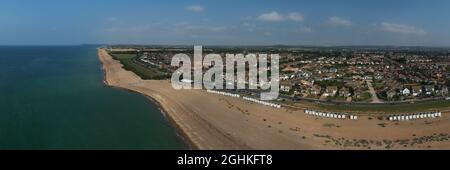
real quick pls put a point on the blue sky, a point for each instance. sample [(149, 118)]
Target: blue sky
[(226, 22)]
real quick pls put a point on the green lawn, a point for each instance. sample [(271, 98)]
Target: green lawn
[(143, 72)]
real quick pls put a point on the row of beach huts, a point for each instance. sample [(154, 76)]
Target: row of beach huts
[(263, 102), (406, 117), (334, 115), (224, 93), (245, 98)]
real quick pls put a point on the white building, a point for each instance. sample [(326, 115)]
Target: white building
[(406, 92)]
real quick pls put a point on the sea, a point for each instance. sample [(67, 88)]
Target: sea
[(53, 97)]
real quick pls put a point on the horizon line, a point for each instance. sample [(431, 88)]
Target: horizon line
[(226, 45)]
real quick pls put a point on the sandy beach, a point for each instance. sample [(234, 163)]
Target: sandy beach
[(211, 121)]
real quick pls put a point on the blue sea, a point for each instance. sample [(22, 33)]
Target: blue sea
[(53, 97)]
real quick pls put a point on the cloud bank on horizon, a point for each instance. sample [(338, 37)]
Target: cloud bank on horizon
[(252, 22)]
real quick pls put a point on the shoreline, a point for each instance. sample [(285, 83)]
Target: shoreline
[(208, 121), (180, 133), (180, 127)]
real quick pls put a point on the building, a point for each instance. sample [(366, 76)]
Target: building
[(429, 89), (344, 92), (444, 91), (416, 90), (406, 92), (285, 86), (391, 93), (316, 89), (330, 91)]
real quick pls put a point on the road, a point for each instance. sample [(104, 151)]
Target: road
[(375, 98)]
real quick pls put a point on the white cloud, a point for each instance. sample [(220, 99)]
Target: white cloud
[(247, 18), (267, 33), (195, 8), (271, 16), (403, 29), (113, 19), (186, 26), (180, 24), (305, 29), (216, 28), (338, 21), (295, 16)]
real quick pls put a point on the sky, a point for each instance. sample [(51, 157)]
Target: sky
[(226, 22)]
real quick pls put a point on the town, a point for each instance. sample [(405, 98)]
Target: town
[(334, 74)]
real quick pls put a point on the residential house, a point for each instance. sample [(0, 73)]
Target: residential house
[(444, 91), (330, 91), (429, 89), (316, 89), (285, 86), (391, 93), (406, 92), (416, 90), (344, 92)]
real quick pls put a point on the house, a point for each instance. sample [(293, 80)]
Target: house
[(357, 94), (406, 92), (344, 92), (444, 91), (315, 90), (285, 86), (416, 90), (391, 93), (330, 91), (306, 83), (429, 89)]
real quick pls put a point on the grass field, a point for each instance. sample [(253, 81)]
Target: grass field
[(141, 71)]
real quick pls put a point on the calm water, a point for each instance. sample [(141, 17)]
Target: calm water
[(52, 97)]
